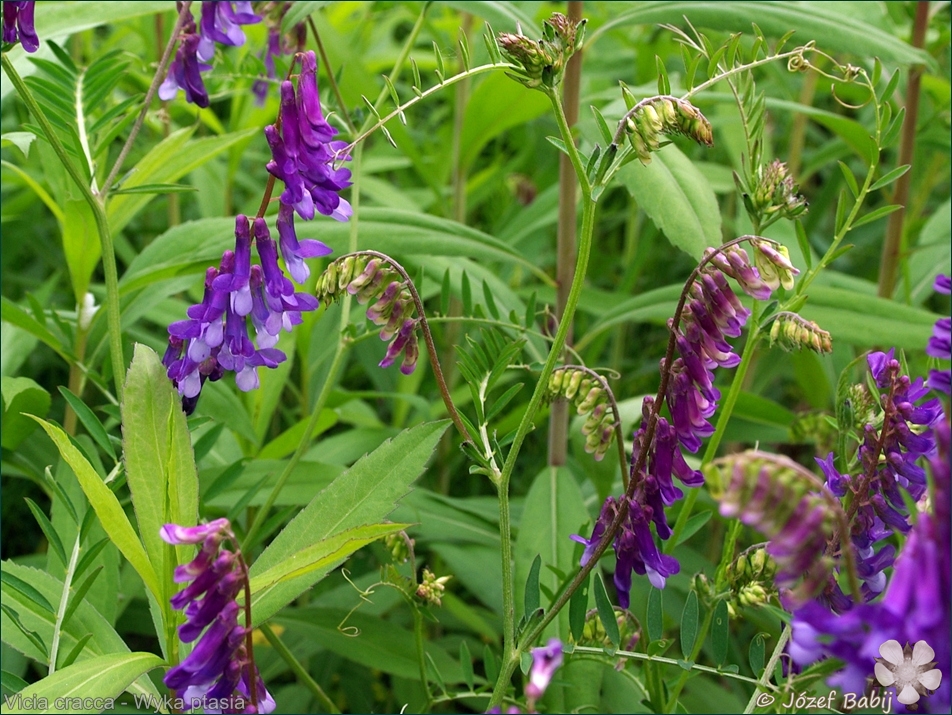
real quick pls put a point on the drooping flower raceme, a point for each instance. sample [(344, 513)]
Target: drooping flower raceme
[(18, 25), (711, 313), (304, 153), (915, 607), (219, 669), (214, 338)]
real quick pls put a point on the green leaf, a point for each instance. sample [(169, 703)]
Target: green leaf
[(31, 636), (677, 198), (554, 510), (755, 655), (299, 12), (655, 614), (189, 248), (51, 536), (364, 494), (532, 587), (720, 632), (850, 179), (602, 125), (21, 140), (826, 24), (693, 525), (578, 609), (368, 640), (689, 619), (931, 255), (106, 676), (169, 160), (107, 507), (503, 15), (85, 621), (16, 315), (89, 421), (876, 214), (490, 664), (158, 457), (20, 395), (865, 320), (18, 584), (466, 663), (155, 189), (320, 555), (80, 594), (606, 613), (286, 442), (74, 653), (889, 177)]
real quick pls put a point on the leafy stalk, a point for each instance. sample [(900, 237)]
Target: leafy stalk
[(110, 270), (510, 650), (64, 602)]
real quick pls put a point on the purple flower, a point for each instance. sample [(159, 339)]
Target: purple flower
[(545, 661), (295, 251), (214, 338), (916, 605), (220, 662), (18, 25), (303, 153), (185, 70), (221, 23)]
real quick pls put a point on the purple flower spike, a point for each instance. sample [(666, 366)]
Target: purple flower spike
[(303, 153), (943, 284), (219, 667), (940, 344), (545, 661)]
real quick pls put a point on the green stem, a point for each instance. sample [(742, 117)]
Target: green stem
[(510, 651), (64, 601), (421, 657), (262, 514), (764, 681), (110, 271), (298, 669)]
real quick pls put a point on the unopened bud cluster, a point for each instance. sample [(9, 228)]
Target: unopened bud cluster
[(372, 280), (791, 332), (431, 588), (590, 397), (399, 546), (775, 194), (666, 115), (771, 493), (543, 61), (751, 579)]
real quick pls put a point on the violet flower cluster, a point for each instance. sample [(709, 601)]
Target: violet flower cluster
[(903, 439), (18, 25), (940, 344), (304, 153), (915, 607), (214, 337), (712, 313), (219, 670), (221, 23)]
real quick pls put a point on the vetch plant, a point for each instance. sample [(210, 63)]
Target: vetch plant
[(670, 326)]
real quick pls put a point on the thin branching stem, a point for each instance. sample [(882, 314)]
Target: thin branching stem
[(427, 338), (147, 102)]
